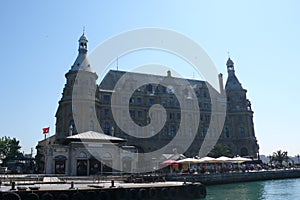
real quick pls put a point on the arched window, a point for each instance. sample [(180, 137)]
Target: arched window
[(226, 132), (166, 131), (106, 128), (73, 127), (242, 132), (149, 88)]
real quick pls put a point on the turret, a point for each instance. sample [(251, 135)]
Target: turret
[(76, 111)]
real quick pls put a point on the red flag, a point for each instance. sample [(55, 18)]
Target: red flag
[(46, 130)]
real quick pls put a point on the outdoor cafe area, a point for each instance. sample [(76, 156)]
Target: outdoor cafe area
[(208, 165)]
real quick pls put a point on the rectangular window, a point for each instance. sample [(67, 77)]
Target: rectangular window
[(172, 116), (131, 100), (242, 132), (164, 103), (151, 102), (106, 98), (172, 131), (132, 113), (178, 116), (206, 106), (106, 112), (140, 114), (207, 118), (139, 100)]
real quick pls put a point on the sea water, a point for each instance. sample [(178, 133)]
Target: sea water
[(284, 189)]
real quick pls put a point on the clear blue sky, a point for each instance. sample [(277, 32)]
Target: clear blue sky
[(39, 44)]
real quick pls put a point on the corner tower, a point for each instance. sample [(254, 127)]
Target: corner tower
[(77, 108), (239, 128)]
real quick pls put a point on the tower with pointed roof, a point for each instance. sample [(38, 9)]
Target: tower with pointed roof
[(239, 128), (77, 108)]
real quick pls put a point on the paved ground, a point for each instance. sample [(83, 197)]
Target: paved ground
[(52, 183)]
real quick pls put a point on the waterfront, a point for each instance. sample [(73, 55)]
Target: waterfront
[(287, 189)]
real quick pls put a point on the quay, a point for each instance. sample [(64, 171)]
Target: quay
[(87, 188), (234, 177)]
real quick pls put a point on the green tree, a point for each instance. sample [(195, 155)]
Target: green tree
[(220, 150), (280, 157), (9, 149), (39, 159)]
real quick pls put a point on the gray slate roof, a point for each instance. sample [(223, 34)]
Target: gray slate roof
[(81, 63), (113, 76), (233, 83)]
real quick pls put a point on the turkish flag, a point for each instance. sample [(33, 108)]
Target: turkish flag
[(46, 130)]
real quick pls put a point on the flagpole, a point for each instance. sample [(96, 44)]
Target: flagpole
[(45, 132)]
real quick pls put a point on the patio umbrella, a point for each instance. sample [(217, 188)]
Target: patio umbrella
[(170, 162), (223, 159), (240, 159), (207, 159), (189, 160)]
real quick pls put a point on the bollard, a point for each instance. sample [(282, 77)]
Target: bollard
[(72, 185), (13, 184), (112, 183)]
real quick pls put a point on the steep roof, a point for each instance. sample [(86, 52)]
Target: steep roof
[(82, 62), (233, 83)]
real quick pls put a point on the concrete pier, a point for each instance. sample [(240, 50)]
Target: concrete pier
[(234, 177), (103, 190)]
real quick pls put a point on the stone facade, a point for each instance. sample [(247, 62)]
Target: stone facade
[(87, 106)]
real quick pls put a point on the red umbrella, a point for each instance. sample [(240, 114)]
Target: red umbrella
[(170, 162)]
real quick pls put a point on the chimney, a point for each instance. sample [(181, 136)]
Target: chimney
[(220, 76), (169, 73)]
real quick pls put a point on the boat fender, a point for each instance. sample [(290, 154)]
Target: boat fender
[(32, 196), (63, 196), (143, 194), (10, 196), (152, 193), (133, 194), (47, 196)]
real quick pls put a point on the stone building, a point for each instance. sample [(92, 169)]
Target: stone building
[(81, 148), (128, 115)]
